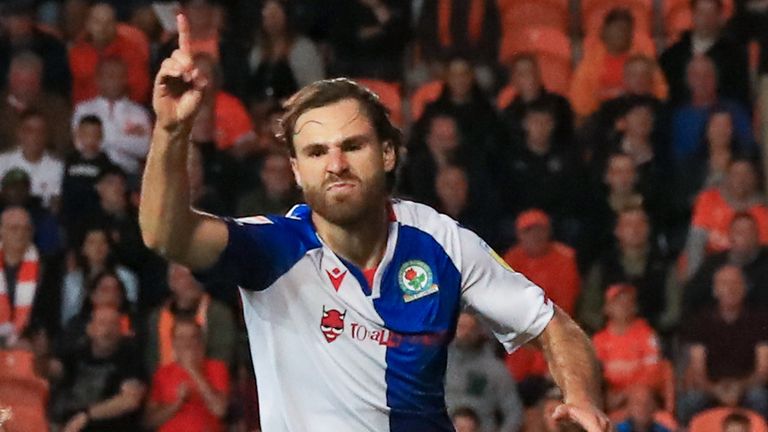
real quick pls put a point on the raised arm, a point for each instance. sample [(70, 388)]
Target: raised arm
[(169, 225), (574, 367)]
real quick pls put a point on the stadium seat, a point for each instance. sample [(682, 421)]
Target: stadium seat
[(423, 95), (552, 49), (534, 13), (677, 17), (389, 94), (23, 391), (711, 420), (593, 12)]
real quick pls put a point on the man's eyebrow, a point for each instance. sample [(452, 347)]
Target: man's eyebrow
[(353, 139)]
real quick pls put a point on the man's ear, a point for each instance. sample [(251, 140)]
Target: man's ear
[(390, 156), (295, 170)]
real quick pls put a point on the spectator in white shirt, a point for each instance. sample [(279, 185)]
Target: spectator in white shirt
[(30, 155), (127, 125)]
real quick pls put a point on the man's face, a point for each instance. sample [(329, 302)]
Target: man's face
[(729, 286), (16, 229), (452, 187), (101, 24), (96, 247), (638, 78), (24, 80), (443, 135), (276, 174), (460, 78), (89, 137), (621, 175), (621, 308), (32, 135), (340, 164), (111, 188), (273, 18), (107, 293), (535, 239), (741, 180), (186, 290), (632, 230), (639, 121), (744, 236), (617, 36), (112, 79), (525, 76), (538, 126), (706, 18), (720, 130), (104, 328)]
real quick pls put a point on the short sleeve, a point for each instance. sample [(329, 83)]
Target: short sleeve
[(515, 308), (260, 249), (158, 391), (218, 376)]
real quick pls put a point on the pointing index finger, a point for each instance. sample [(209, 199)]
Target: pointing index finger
[(183, 26)]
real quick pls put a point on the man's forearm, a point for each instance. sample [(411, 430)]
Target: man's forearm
[(165, 210), (158, 414), (123, 403), (571, 360)]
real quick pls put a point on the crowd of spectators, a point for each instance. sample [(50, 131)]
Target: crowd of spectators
[(632, 191)]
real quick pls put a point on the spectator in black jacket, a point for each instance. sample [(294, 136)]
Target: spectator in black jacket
[(706, 38)]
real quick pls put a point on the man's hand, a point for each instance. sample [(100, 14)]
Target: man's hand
[(585, 415), (178, 86), (76, 423)]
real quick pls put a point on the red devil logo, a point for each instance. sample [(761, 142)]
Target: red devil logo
[(332, 324)]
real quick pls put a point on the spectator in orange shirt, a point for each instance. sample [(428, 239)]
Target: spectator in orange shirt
[(222, 119), (190, 394), (715, 208), (102, 40), (627, 346), (599, 76), (547, 263)]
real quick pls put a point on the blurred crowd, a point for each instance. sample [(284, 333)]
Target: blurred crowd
[(608, 149)]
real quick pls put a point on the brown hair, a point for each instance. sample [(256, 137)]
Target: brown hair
[(327, 92)]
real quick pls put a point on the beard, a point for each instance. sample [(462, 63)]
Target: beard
[(351, 207)]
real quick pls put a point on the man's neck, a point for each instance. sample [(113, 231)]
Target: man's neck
[(32, 157), (620, 326), (102, 352), (730, 314), (741, 258), (532, 95), (362, 243), (703, 100), (12, 256)]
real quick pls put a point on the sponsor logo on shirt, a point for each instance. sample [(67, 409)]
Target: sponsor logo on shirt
[(332, 326), (332, 323), (415, 278)]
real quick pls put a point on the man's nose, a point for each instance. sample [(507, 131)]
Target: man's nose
[(337, 161)]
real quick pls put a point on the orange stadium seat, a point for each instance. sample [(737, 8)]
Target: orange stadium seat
[(593, 12), (677, 17), (552, 48), (426, 93), (712, 420), (525, 13), (389, 94), (23, 391)]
